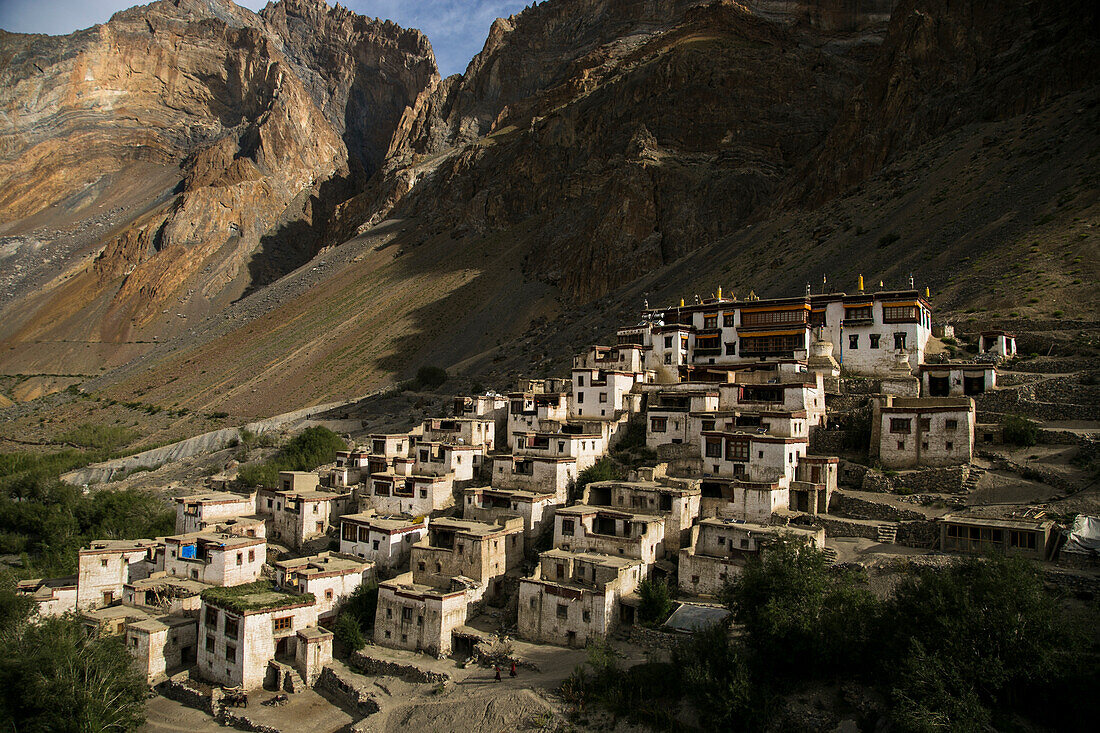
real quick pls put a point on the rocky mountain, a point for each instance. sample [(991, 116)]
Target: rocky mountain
[(295, 207), (156, 167)]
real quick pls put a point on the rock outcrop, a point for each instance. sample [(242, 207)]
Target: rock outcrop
[(246, 129)]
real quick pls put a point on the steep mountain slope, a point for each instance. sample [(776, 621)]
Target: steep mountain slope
[(598, 152), (236, 124)]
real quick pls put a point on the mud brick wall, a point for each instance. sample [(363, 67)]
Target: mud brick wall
[(654, 639), (347, 693)]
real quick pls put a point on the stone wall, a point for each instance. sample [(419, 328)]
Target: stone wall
[(1076, 583), (1034, 472), (346, 693), (851, 474), (853, 507), (923, 534), (859, 386), (655, 639), (949, 480), (363, 662), (178, 688), (837, 527), (1025, 401), (828, 442)]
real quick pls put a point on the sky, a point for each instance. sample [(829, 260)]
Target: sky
[(456, 28)]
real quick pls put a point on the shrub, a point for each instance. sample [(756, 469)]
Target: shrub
[(656, 605), (309, 449), (1018, 430), (429, 377), (605, 469), (348, 633)]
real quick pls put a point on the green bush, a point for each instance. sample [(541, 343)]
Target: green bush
[(656, 605), (309, 449), (347, 632), (362, 604), (1017, 430), (103, 437), (429, 377), (56, 675), (605, 469)]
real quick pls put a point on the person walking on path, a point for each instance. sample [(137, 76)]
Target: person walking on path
[(498, 674), (513, 672)]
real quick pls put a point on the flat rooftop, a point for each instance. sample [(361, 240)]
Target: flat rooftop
[(163, 580), (118, 545), (213, 497), (585, 509), (653, 486), (752, 527), (255, 597), (467, 526), (387, 523), (324, 563), (221, 539), (597, 558)]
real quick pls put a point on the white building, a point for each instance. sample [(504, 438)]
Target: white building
[(722, 547), (914, 432), (215, 558), (609, 531), (536, 474), (414, 495), (105, 566), (383, 540), (574, 597), (486, 504), (998, 343), (244, 630), (330, 577), (199, 512)]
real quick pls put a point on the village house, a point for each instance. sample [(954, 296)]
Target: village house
[(105, 566), (459, 462), (957, 380), (609, 531), (383, 540), (250, 633), (302, 512), (422, 617), (584, 447), (755, 457), (330, 577), (215, 558), (478, 432), (479, 551), (198, 512), (487, 504), (918, 432), (51, 596), (752, 501), (669, 416), (675, 500), (349, 468), (997, 343), (537, 474), (414, 495), (722, 547), (162, 645), (489, 406), (385, 449), (574, 597), (1033, 538), (814, 483), (532, 412), (162, 593)]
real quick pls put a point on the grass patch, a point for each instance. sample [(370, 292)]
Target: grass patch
[(259, 596)]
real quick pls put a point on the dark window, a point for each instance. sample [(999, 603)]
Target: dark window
[(714, 448), (731, 348), (900, 425), (951, 424), (563, 610), (853, 341), (729, 320), (567, 527), (874, 337), (899, 341)]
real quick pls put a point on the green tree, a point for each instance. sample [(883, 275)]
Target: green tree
[(1018, 430), (361, 604), (605, 469), (313, 447), (348, 632), (57, 676), (802, 619), (979, 636), (430, 377), (656, 603)]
